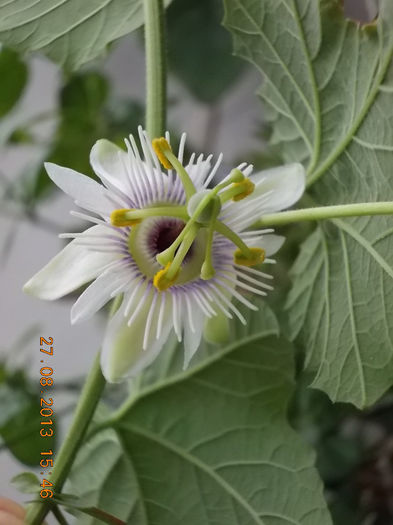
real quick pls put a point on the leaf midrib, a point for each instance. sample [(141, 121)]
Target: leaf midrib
[(345, 226), (184, 375), (358, 357), (313, 177)]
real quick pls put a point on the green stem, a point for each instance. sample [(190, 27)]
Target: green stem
[(59, 515), (85, 409), (155, 68), (327, 212)]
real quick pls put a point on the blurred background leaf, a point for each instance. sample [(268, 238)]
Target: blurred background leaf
[(200, 50), (13, 75), (20, 418), (87, 112)]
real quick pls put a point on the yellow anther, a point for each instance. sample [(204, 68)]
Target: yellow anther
[(247, 186), (161, 281), (256, 256), (160, 146), (119, 218)]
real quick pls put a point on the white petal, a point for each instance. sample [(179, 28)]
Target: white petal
[(287, 184), (270, 243), (122, 353), (192, 334), (110, 163), (86, 192), (99, 293), (68, 270)]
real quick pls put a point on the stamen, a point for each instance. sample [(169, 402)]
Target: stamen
[(256, 256), (131, 217), (161, 147), (161, 280), (169, 161), (238, 191), (247, 188), (232, 236), (123, 217)]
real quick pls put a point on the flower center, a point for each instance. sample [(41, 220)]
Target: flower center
[(156, 234), (174, 244), (165, 233)]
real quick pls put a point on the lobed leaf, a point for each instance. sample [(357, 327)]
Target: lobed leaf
[(208, 445), (328, 92)]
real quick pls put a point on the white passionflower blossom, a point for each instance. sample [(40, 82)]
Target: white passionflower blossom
[(177, 251)]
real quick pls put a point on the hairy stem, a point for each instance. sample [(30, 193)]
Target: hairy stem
[(327, 212), (85, 409), (155, 68)]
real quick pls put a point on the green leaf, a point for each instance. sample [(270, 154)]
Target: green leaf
[(70, 32), (104, 478), (13, 74), (170, 361), (212, 445), (199, 49), (26, 482), (76, 506), (328, 92)]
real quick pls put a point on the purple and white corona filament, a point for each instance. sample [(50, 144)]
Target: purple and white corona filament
[(178, 250)]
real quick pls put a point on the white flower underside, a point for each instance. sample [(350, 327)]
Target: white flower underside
[(147, 316)]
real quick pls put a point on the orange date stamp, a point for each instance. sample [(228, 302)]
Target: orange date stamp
[(46, 412)]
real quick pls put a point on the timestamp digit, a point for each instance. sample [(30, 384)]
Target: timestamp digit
[(46, 351), (46, 381), (45, 341), (46, 402), (46, 493), (44, 431), (49, 462), (46, 410), (45, 483)]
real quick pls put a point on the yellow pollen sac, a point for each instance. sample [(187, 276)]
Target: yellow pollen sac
[(256, 256), (160, 146), (119, 218), (247, 186), (160, 280)]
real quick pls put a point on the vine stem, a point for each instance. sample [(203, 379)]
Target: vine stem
[(327, 212), (85, 409), (155, 68)]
